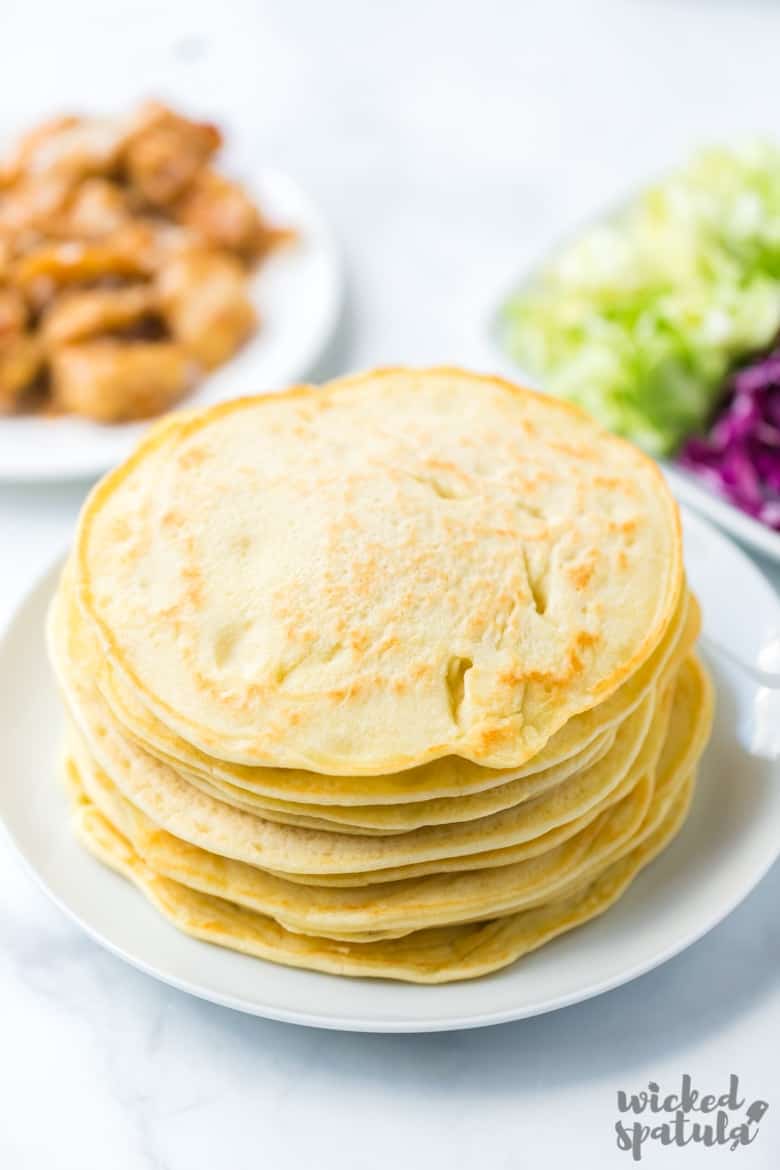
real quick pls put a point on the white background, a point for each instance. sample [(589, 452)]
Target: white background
[(448, 143)]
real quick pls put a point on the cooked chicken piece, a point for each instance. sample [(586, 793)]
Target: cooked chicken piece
[(21, 358), (89, 147), (204, 299), (165, 151), (84, 313), (68, 149), (115, 381), (223, 214), (125, 255), (164, 240), (96, 208), (29, 206), (50, 162), (29, 145), (13, 312)]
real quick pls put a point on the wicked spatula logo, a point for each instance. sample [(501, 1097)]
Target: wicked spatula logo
[(687, 1116)]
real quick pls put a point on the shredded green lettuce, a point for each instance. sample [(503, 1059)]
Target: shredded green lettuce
[(640, 318)]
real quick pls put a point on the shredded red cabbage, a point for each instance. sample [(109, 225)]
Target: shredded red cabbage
[(740, 456)]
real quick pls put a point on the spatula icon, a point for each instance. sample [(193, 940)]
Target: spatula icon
[(756, 1111)]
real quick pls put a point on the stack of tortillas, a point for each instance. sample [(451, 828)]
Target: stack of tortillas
[(392, 678)]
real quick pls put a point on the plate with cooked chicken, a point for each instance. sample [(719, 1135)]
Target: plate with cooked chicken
[(138, 277)]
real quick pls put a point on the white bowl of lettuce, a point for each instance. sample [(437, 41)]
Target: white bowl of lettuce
[(646, 318)]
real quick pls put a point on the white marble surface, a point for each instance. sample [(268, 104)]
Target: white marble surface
[(447, 141)]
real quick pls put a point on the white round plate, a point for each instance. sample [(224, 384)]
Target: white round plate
[(729, 842), (298, 295)]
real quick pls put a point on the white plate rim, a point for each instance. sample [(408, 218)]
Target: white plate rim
[(390, 1023), (286, 202)]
